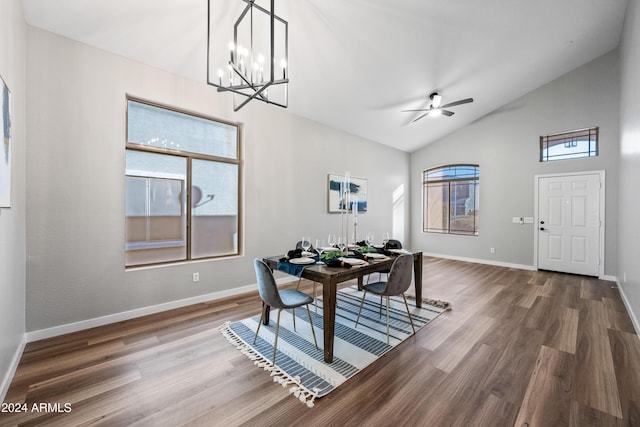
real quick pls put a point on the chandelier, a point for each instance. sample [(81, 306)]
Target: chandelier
[(250, 62)]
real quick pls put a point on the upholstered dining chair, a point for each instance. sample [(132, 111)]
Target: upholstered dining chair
[(397, 283), (391, 244), (279, 299)]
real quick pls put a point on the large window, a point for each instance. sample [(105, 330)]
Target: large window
[(451, 199), (182, 186), (569, 145)]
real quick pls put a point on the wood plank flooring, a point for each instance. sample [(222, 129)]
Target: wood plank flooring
[(519, 348)]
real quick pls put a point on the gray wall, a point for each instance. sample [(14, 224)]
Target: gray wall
[(12, 221), (75, 183), (629, 207), (506, 146)]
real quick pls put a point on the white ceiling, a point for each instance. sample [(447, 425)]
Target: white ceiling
[(354, 64)]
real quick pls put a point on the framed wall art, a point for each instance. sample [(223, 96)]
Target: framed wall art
[(337, 197), (5, 149)]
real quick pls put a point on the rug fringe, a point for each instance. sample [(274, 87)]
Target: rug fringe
[(298, 390), (434, 302)]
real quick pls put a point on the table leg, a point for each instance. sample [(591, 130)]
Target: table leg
[(329, 290), (417, 274)]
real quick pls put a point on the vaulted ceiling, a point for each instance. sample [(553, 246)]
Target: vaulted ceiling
[(354, 65)]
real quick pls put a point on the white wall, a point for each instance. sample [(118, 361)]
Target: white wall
[(505, 144), (75, 183), (629, 207), (12, 221)]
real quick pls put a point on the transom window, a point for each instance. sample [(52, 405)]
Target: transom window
[(451, 199), (569, 145), (182, 186)]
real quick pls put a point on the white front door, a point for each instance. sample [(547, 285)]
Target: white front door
[(569, 223)]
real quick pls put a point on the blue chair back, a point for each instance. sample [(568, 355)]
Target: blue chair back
[(400, 275), (267, 287), (393, 244)]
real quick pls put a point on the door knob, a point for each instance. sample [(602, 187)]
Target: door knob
[(541, 228), (541, 222)]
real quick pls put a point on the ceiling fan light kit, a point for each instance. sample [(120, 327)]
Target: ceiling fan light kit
[(436, 109), (254, 62)]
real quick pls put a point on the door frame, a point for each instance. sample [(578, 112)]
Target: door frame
[(536, 219)]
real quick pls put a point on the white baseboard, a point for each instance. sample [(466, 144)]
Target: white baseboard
[(632, 314), (482, 261), (6, 381), (131, 314)]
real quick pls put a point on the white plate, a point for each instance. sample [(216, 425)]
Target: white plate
[(399, 251), (329, 249), (375, 255), (302, 261), (307, 254), (353, 261)]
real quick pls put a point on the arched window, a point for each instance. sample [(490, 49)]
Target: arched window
[(451, 199)]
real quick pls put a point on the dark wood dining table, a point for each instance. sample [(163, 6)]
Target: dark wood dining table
[(329, 277)]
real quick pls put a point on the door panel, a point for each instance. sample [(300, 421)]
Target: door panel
[(569, 224)]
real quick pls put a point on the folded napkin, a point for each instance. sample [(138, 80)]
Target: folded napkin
[(337, 263), (294, 253), (357, 254)]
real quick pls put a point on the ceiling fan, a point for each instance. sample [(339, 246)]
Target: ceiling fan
[(436, 109)]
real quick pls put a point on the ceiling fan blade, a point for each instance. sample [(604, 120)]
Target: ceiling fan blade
[(411, 111), (462, 101), (425, 114), (448, 113)]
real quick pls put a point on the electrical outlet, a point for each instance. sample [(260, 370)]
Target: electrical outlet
[(492, 250), (196, 277)]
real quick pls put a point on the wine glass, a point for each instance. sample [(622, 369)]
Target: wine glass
[(320, 248), (369, 239), (332, 240), (341, 244), (385, 239), (305, 243)]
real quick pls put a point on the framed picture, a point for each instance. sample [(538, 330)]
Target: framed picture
[(5, 149), (357, 191)]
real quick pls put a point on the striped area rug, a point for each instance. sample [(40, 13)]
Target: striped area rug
[(301, 367)]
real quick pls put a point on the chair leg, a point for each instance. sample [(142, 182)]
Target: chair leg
[(313, 331), (387, 317), (409, 314), (275, 343), (293, 313), (381, 306), (259, 323), (364, 294)]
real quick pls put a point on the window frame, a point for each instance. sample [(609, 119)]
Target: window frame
[(190, 156), (569, 136), (449, 181)]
